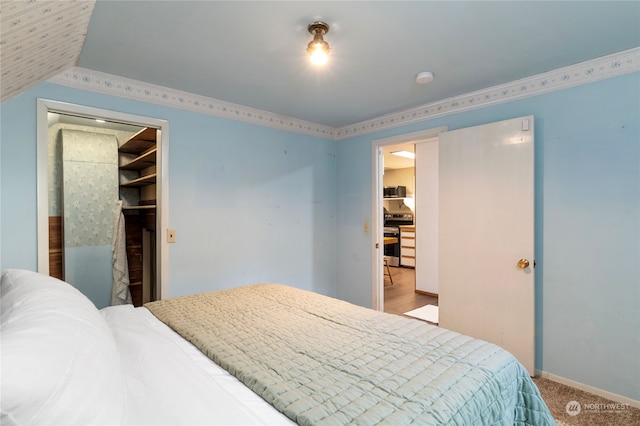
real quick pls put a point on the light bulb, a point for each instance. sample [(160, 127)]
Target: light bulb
[(319, 55)]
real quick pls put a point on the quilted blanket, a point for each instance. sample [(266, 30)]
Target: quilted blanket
[(323, 361)]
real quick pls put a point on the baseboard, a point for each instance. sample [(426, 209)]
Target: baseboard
[(426, 293), (581, 386)]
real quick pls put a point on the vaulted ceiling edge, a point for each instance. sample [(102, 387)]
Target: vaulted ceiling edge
[(609, 66)]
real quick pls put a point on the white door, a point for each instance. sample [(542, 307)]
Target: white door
[(486, 221)]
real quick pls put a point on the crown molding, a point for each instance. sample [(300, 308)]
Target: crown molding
[(605, 67), (609, 66), (94, 81)]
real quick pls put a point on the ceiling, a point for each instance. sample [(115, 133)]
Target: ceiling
[(253, 53), (392, 161)]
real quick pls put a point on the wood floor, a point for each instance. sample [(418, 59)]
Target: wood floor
[(400, 297)]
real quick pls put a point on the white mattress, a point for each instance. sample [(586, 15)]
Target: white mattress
[(170, 382)]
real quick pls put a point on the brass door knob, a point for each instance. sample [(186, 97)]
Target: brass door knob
[(523, 263)]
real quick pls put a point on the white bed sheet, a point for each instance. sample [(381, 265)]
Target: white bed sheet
[(170, 382)]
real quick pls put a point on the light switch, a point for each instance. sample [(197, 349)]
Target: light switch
[(171, 235)]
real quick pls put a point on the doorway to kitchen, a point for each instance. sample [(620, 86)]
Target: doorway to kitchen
[(396, 216), (481, 170), (399, 230)]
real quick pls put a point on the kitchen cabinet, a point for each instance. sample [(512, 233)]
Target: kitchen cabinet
[(408, 246)]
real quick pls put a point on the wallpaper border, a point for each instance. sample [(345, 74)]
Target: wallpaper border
[(626, 62), (94, 81), (605, 67)]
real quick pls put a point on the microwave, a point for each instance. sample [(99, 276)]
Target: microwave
[(395, 192)]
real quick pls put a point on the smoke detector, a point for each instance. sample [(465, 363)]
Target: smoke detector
[(424, 77)]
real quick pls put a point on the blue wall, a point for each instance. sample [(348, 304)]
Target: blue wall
[(256, 204), (250, 204), (587, 226)]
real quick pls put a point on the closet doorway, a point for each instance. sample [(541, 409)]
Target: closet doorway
[(102, 186)]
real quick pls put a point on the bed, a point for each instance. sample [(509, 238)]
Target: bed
[(259, 354)]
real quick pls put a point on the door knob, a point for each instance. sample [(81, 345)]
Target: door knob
[(523, 263)]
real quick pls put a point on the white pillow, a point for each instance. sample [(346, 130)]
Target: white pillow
[(60, 363)]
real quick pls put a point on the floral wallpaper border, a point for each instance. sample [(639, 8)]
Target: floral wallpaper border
[(609, 66)]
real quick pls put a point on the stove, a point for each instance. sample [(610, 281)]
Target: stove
[(397, 219)]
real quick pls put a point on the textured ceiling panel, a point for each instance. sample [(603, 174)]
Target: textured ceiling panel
[(39, 39)]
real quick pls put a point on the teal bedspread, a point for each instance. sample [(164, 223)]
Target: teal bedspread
[(322, 361)]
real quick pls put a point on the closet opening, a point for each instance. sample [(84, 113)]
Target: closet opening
[(102, 202)]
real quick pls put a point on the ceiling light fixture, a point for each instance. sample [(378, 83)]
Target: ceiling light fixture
[(405, 154), (318, 48)]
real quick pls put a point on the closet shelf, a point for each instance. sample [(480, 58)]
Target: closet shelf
[(142, 141), (142, 181), (137, 162), (145, 160)]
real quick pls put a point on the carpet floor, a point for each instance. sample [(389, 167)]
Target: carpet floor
[(401, 297), (586, 409)]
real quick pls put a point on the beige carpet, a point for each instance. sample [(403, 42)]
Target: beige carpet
[(587, 409)]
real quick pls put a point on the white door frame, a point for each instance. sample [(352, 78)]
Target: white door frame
[(44, 106), (377, 220)]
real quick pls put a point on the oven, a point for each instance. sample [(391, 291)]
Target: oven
[(392, 251), (392, 221)]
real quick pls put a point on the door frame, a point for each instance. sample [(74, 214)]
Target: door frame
[(45, 106), (377, 283)]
